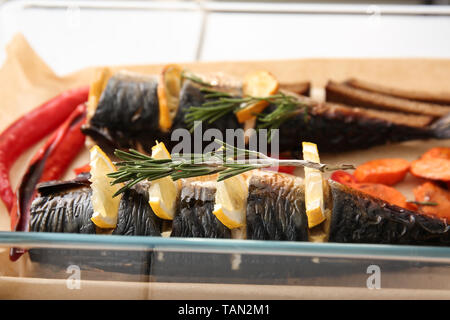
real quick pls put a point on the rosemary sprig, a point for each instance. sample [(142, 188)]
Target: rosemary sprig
[(223, 103), (286, 107), (210, 111), (423, 203), (227, 161)]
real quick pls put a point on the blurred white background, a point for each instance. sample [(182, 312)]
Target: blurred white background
[(70, 35)]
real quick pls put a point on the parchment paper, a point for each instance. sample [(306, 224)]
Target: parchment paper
[(26, 81)]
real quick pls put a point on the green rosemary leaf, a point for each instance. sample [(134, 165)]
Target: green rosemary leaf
[(423, 203), (138, 167), (283, 112)]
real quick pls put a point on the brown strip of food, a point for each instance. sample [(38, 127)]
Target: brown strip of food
[(421, 96), (348, 95), (410, 120)]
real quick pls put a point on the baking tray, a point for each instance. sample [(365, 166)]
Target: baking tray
[(148, 267)]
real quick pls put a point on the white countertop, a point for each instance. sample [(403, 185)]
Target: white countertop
[(70, 35)]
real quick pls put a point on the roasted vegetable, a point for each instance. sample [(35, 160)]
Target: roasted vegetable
[(431, 168), (49, 163), (434, 199), (384, 171), (433, 164), (29, 129), (377, 190)]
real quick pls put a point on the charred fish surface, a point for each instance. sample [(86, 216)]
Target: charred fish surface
[(195, 216), (136, 217), (276, 208), (191, 95), (336, 128), (360, 218), (127, 116), (70, 210), (128, 111)]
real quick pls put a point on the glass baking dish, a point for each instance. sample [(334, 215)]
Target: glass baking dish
[(291, 268), (150, 267)]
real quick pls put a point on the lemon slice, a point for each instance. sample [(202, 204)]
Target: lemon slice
[(163, 192), (169, 95), (230, 202), (314, 200), (97, 87), (106, 208), (257, 84)]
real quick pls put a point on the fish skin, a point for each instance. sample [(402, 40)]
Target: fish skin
[(275, 211), (117, 123), (195, 217), (63, 212), (136, 217), (112, 127), (127, 112), (70, 211), (361, 218), (191, 95), (337, 131), (276, 208)]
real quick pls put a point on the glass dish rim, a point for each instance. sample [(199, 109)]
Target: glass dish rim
[(263, 247)]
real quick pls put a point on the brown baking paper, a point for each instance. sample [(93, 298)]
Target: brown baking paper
[(27, 82)]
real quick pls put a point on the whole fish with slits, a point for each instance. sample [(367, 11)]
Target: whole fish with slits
[(275, 210), (126, 114)]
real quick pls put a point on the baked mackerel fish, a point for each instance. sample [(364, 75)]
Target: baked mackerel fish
[(275, 210), (128, 110)]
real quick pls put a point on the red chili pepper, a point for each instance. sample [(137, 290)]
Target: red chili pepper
[(83, 169), (49, 163), (343, 177), (30, 129)]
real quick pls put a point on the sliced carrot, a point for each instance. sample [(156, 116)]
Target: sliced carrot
[(378, 190), (384, 171), (438, 152), (257, 84), (431, 168), (383, 192), (430, 192)]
